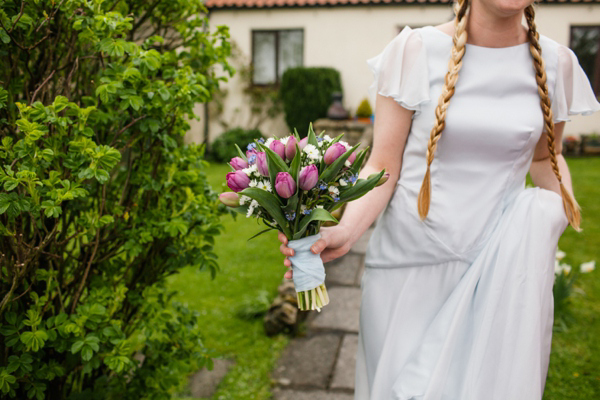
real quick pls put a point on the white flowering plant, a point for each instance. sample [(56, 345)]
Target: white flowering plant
[(564, 278), (293, 184)]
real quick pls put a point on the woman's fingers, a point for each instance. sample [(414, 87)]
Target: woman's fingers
[(282, 238), (288, 274), (286, 251), (318, 246)]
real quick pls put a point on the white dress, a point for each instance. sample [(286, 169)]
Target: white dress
[(460, 306)]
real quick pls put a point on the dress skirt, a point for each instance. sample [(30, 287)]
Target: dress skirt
[(461, 330)]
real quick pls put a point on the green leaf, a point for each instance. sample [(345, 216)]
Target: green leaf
[(312, 138), (360, 187), (240, 152), (260, 233), (271, 204), (317, 214), (295, 165)]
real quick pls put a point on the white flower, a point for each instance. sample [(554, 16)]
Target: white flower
[(320, 143), (269, 141), (264, 185), (302, 208), (253, 205), (334, 190), (253, 183), (244, 199), (311, 151), (319, 206), (560, 254), (587, 267), (343, 182), (346, 145), (561, 268), (284, 140), (327, 137), (566, 268), (347, 163), (251, 170)]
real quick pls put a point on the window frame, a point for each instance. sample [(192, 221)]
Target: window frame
[(595, 78), (275, 32)]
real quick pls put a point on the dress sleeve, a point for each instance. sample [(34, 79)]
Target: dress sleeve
[(573, 92), (400, 71)]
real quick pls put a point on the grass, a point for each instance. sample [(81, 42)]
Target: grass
[(251, 267), (247, 269), (574, 371)]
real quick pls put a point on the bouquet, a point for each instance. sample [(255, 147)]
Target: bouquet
[(293, 185)]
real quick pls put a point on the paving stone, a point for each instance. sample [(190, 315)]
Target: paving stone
[(343, 270), (360, 247), (361, 271), (281, 394), (343, 374), (308, 361), (204, 382), (342, 311)]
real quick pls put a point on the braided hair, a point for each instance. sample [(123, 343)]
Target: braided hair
[(461, 8)]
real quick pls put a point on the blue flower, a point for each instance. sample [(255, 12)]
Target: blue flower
[(307, 211), (251, 146), (290, 216), (320, 139), (260, 140), (252, 158), (336, 199), (323, 185), (353, 178)]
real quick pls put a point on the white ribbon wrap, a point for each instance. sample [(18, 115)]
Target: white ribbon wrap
[(308, 270)]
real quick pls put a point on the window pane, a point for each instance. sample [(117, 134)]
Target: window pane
[(290, 50), (264, 57), (585, 42)]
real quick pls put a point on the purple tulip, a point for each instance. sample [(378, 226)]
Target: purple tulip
[(238, 163), (237, 181), (308, 177), (285, 185), (303, 142), (278, 148), (290, 148), (333, 152), (261, 163), (230, 199), (383, 179)]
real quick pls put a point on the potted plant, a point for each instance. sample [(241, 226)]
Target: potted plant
[(571, 145), (591, 143), (364, 112)]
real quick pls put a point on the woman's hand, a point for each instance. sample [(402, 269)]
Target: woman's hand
[(334, 243)]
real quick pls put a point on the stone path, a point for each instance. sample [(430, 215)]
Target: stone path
[(320, 365)]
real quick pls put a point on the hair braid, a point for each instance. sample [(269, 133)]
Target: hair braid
[(458, 50), (570, 205)]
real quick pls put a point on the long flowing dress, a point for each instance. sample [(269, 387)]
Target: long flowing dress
[(460, 306)]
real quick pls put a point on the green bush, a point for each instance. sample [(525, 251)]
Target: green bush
[(306, 94), (223, 149), (364, 109), (101, 199)]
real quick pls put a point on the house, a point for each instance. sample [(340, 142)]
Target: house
[(272, 35)]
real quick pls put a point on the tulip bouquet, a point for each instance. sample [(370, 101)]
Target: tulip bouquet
[(293, 185)]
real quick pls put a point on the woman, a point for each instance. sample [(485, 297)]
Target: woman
[(457, 290)]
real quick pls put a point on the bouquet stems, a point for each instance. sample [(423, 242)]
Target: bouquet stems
[(313, 299)]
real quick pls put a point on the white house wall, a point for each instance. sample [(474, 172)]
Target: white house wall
[(345, 37)]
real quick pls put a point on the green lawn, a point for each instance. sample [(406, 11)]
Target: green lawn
[(251, 267), (247, 268)]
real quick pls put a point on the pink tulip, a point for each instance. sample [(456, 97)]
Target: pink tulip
[(333, 152), (290, 148), (238, 163), (352, 157), (261, 163), (278, 148), (285, 185), (308, 177), (303, 142), (230, 199), (237, 181)]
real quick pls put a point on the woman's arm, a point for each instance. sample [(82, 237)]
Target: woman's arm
[(391, 129), (541, 169)]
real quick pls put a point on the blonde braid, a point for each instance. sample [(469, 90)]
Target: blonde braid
[(570, 205), (458, 50)]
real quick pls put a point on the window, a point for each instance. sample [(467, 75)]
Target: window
[(585, 43), (273, 52)]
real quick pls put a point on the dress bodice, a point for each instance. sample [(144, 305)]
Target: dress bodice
[(492, 126)]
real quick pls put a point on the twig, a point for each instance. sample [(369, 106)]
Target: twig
[(42, 85)]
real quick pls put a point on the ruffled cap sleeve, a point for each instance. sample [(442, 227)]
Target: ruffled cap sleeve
[(400, 71), (573, 92)]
